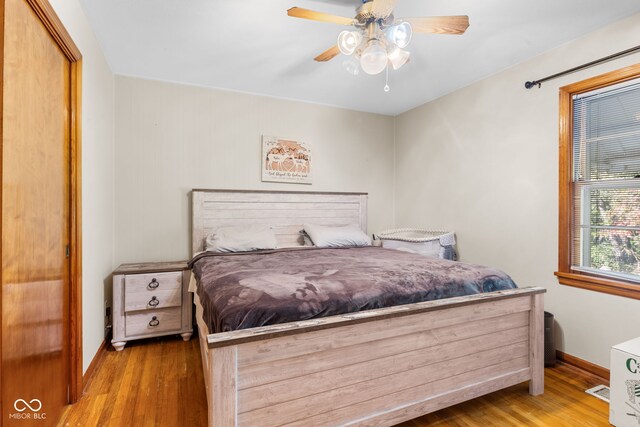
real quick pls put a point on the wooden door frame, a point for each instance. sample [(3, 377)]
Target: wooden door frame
[(56, 29)]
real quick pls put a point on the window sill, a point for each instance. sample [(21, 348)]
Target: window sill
[(598, 284)]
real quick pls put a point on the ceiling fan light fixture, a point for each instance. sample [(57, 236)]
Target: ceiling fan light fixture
[(352, 66), (398, 57), (374, 58), (400, 34), (377, 40), (348, 41)]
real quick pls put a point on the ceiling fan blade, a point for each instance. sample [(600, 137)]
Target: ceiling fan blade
[(298, 12), (328, 54), (439, 24)]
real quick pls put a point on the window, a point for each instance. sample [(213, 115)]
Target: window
[(599, 236)]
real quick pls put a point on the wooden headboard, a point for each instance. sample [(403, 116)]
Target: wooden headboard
[(286, 211)]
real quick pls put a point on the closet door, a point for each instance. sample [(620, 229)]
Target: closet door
[(36, 220)]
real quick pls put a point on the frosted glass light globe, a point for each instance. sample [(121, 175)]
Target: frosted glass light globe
[(400, 34), (374, 58), (348, 41), (398, 58), (352, 66)]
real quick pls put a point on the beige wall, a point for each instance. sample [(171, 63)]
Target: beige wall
[(97, 174), (171, 138), (483, 161)]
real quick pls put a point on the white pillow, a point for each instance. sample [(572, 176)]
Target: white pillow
[(241, 239), (337, 236)]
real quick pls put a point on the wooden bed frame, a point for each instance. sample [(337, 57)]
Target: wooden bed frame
[(375, 367)]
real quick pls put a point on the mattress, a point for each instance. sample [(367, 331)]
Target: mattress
[(246, 290)]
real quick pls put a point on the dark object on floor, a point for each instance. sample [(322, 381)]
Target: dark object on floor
[(549, 340)]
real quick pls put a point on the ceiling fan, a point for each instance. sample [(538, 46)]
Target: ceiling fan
[(379, 39)]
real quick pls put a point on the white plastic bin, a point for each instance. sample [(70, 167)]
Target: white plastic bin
[(436, 244)]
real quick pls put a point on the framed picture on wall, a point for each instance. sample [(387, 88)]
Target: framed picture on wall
[(286, 160)]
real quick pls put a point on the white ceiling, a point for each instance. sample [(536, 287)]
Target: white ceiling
[(253, 46)]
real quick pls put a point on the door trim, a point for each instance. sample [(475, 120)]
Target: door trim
[(52, 23)]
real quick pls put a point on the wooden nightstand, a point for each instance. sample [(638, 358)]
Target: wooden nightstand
[(151, 300)]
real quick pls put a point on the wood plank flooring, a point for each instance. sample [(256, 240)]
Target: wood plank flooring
[(159, 382), (155, 382)]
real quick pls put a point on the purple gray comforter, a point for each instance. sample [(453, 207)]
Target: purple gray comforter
[(246, 290)]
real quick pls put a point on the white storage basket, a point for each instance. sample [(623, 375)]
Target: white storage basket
[(437, 244)]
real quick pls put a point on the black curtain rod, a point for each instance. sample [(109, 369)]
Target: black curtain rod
[(539, 82)]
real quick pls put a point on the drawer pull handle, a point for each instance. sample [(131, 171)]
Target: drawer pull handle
[(153, 284), (154, 301), (154, 322)]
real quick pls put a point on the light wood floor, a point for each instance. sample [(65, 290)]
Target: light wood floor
[(159, 382)]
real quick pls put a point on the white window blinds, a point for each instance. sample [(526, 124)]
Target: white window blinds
[(606, 178)]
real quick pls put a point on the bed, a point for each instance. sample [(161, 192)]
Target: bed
[(379, 366)]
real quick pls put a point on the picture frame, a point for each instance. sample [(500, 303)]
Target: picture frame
[(286, 160)]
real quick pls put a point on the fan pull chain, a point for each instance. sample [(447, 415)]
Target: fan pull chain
[(386, 86)]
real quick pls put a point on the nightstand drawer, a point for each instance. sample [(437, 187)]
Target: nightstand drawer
[(150, 291), (149, 300), (153, 321)]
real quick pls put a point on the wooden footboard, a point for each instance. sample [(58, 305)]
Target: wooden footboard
[(376, 367)]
